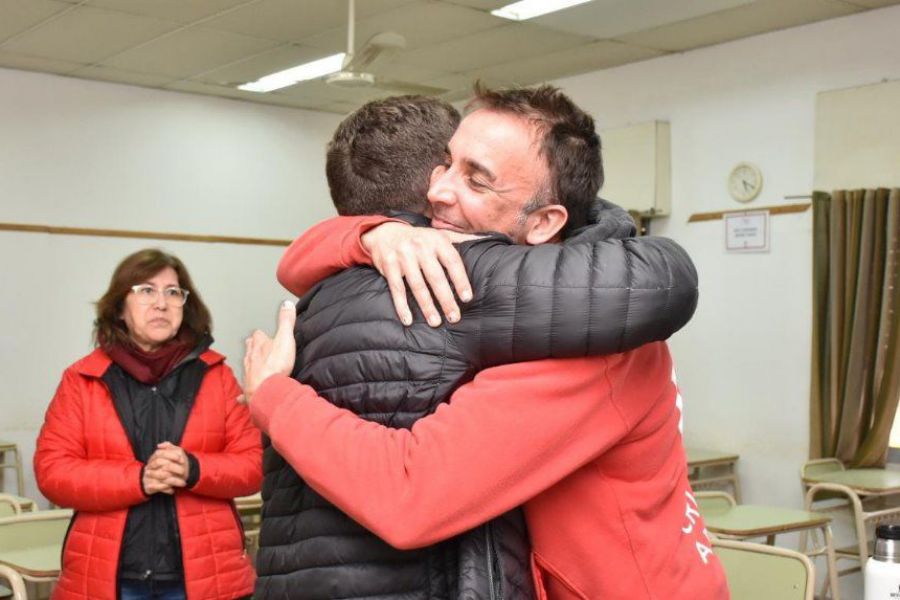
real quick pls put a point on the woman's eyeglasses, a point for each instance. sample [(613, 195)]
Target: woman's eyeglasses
[(147, 294)]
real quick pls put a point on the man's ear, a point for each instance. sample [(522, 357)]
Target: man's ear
[(545, 224)]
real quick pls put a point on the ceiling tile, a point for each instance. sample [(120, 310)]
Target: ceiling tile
[(196, 87), (393, 70), (189, 51), (210, 89), (450, 42), (590, 57), (317, 89), (485, 5), (342, 108), (876, 3), (120, 76), (17, 16), (293, 20), (744, 21), (460, 96), (492, 47), (313, 95), (265, 63), (316, 105), (180, 11), (88, 35), (453, 82), (36, 63), (420, 24), (603, 19)]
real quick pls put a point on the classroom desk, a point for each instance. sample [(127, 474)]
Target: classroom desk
[(26, 504), (33, 546), (15, 464), (249, 504), (865, 482), (250, 509), (745, 521), (701, 461), (859, 487), (748, 521)]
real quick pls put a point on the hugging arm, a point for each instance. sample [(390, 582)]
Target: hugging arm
[(468, 462), (585, 296), (579, 299)]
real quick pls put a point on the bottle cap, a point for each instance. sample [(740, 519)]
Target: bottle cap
[(888, 532)]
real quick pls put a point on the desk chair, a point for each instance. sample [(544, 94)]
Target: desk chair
[(711, 469), (250, 508), (866, 494), (757, 572), (9, 506), (728, 520), (31, 543), (13, 580), (7, 448)]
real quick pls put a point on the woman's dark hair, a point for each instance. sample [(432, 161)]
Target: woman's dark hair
[(109, 327)]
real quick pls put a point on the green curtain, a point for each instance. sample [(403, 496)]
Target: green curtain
[(855, 385)]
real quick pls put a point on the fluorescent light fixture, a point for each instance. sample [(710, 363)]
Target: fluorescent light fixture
[(304, 72), (528, 9)]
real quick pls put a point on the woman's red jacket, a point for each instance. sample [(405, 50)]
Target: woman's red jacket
[(84, 461)]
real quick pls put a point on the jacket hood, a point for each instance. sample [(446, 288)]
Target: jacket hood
[(607, 221)]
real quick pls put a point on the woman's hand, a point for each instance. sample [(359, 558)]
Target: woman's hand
[(154, 481), (168, 468)]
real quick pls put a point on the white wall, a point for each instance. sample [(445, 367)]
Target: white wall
[(743, 362), (89, 154)]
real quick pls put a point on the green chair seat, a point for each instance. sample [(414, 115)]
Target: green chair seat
[(757, 572)]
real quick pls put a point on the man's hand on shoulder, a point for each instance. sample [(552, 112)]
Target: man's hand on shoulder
[(265, 356), (425, 258)]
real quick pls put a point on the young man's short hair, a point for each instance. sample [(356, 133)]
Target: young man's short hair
[(381, 156), (568, 142)]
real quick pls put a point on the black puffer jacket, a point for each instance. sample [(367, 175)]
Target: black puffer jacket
[(598, 293)]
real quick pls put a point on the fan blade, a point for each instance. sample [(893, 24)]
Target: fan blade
[(408, 87), (386, 42)]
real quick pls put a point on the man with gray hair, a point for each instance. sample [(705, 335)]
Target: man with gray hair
[(525, 163)]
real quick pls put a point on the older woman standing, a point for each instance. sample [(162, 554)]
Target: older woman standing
[(145, 441)]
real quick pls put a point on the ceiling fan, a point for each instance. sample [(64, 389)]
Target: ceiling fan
[(354, 71), (348, 69)]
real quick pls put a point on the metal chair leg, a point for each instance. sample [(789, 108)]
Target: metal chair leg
[(832, 579)]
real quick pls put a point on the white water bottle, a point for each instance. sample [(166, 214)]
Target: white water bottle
[(882, 580)]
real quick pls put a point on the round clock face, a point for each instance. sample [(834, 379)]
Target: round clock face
[(744, 182)]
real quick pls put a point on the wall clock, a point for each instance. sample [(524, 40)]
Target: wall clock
[(745, 182)]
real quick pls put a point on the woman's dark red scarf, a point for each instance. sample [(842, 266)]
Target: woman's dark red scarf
[(150, 367)]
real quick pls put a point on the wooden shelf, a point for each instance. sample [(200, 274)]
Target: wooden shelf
[(148, 235), (781, 209)]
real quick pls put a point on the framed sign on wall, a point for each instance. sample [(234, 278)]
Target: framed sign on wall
[(747, 231)]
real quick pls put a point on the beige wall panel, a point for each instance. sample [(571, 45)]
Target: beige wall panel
[(858, 137)]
